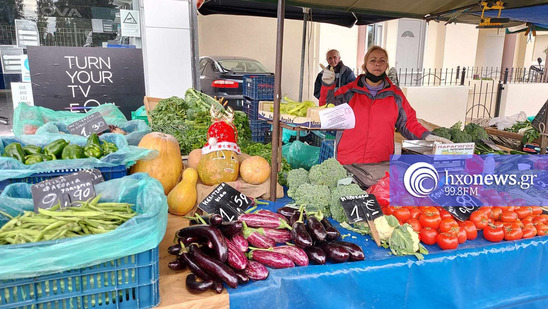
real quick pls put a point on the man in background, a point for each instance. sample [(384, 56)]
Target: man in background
[(343, 74)]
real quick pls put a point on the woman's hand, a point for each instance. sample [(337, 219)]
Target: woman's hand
[(434, 138), (328, 75)]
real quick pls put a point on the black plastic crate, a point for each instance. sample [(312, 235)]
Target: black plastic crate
[(258, 87)]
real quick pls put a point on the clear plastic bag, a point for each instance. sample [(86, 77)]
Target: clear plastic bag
[(12, 168), (299, 154), (507, 121), (143, 232)]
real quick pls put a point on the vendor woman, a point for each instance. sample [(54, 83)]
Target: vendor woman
[(379, 107)]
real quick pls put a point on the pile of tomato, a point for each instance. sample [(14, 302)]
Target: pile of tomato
[(436, 225)]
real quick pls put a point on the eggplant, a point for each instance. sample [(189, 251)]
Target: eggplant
[(268, 213), (242, 276), (315, 255), (295, 217), (255, 220), (240, 242), (271, 259), (256, 239), (316, 229), (332, 232), (174, 250), (212, 220), (213, 266), (300, 236), (286, 211), (335, 253), (296, 254), (194, 286), (230, 228), (218, 286), (279, 236), (236, 259), (189, 240), (355, 251), (177, 264), (194, 268), (212, 234), (256, 271)]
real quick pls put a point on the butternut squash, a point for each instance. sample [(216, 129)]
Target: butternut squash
[(182, 198)]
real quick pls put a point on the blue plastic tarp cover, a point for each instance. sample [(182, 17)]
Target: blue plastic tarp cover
[(140, 233), (12, 168), (479, 274)]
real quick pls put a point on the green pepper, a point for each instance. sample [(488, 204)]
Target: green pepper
[(93, 139), (93, 151), (109, 147), (15, 150), (72, 151), (34, 158), (32, 149), (55, 148)]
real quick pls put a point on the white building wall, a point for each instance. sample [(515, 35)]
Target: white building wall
[(343, 39), (434, 46), (490, 47), (391, 39), (460, 45), (541, 47), (441, 105), (528, 97), (166, 47)]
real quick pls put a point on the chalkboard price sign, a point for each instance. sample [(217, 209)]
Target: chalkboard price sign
[(94, 123), (460, 206), (64, 189), (362, 207), (226, 201)]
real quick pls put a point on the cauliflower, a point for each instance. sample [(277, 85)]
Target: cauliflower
[(384, 227), (314, 197), (295, 178), (327, 173), (405, 241), (335, 206)]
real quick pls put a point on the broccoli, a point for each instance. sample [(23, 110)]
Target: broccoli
[(442, 132), (295, 178), (337, 211), (327, 173), (459, 136), (457, 125), (314, 197), (476, 131)]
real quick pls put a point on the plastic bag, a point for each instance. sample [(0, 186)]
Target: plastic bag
[(299, 154), (126, 155), (27, 119), (140, 233), (506, 122), (136, 129), (381, 190)]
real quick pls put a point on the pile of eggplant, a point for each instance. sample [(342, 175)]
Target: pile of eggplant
[(319, 238), (239, 251)]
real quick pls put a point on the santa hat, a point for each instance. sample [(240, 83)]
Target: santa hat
[(221, 136)]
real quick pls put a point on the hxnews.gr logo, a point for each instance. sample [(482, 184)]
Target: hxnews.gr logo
[(421, 179)]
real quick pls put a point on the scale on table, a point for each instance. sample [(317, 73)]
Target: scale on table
[(425, 151), (418, 147)]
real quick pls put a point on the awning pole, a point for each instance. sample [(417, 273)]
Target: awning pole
[(276, 155), (306, 12)]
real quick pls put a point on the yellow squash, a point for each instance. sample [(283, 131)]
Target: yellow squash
[(182, 198)]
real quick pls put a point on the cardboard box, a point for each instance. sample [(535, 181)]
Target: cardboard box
[(312, 119), (150, 104)]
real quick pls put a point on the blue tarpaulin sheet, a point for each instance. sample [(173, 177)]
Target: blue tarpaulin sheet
[(479, 274)]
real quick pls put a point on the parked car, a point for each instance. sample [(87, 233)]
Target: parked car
[(223, 77)]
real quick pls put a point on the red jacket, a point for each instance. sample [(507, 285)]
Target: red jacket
[(372, 139)]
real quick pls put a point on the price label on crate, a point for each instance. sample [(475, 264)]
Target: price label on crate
[(226, 201), (94, 123), (460, 204), (64, 190), (362, 207)]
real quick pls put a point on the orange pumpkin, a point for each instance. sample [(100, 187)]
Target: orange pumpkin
[(167, 166), (218, 166), (255, 170), (194, 158)]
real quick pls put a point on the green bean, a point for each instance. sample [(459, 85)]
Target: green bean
[(70, 213)]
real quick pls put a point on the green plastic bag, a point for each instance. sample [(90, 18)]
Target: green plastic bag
[(136, 129), (27, 119), (126, 155), (142, 232), (299, 154)]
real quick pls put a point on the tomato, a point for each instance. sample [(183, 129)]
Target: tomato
[(493, 234), (402, 214), (415, 224), (529, 231), (388, 210), (508, 216), (430, 210), (528, 219), (471, 230), (541, 218), (447, 241), (447, 224), (415, 212), (428, 235), (479, 219), (498, 224), (461, 235), (430, 220), (511, 208), (523, 211), (536, 210), (444, 214), (519, 202), (485, 210), (496, 212), (513, 232), (519, 223), (542, 229)]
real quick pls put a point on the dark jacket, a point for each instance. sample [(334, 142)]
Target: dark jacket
[(343, 76)]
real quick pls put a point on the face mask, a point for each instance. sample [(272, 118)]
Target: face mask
[(375, 78)]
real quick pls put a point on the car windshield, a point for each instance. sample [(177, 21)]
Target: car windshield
[(244, 66)]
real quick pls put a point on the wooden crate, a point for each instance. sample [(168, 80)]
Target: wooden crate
[(150, 104)]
